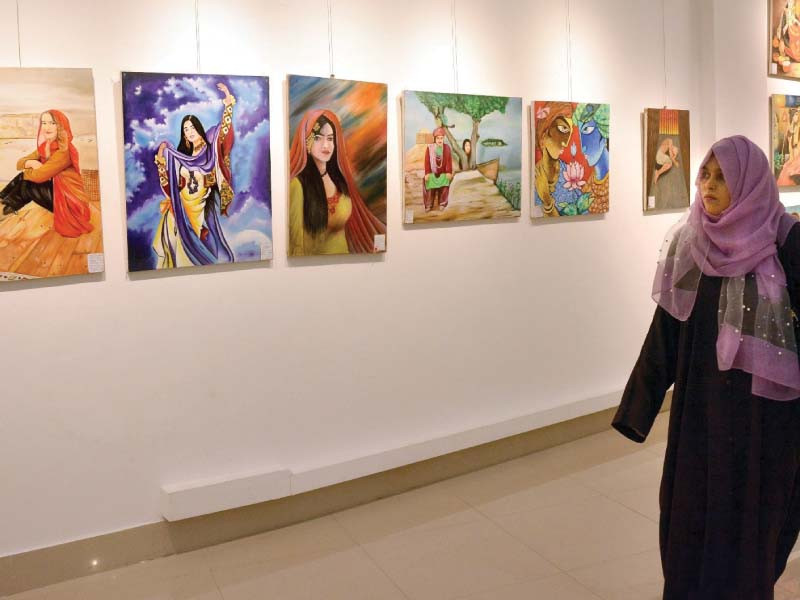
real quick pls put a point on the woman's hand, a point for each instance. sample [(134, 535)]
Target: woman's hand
[(32, 164), (228, 99), (161, 147)]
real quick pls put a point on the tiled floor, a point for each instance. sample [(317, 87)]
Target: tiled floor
[(576, 522)]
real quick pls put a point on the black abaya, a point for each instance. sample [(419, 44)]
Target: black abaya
[(730, 491)]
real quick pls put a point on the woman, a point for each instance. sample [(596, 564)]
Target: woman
[(326, 212), (51, 178), (723, 333), (669, 183), (196, 180), (553, 131), (466, 146)]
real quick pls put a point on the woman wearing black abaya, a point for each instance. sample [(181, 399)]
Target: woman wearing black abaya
[(723, 333)]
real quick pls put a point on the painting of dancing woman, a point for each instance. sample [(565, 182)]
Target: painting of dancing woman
[(197, 170)]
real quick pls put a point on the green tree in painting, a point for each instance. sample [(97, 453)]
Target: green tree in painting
[(475, 107)]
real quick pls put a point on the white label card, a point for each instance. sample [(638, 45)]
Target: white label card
[(96, 263), (651, 202), (409, 215), (380, 242)]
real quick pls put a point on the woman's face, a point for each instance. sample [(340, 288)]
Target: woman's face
[(324, 143), (49, 127), (557, 137), (716, 196), (190, 133), (468, 147)]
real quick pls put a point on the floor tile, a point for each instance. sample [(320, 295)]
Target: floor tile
[(312, 539), (556, 587), (417, 510), (346, 575), (453, 561), (790, 580), (643, 500), (583, 533), (510, 488), (630, 578), (635, 471)]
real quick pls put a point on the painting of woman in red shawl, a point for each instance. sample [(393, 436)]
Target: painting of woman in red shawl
[(326, 212), (50, 177)]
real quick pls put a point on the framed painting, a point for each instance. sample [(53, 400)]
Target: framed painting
[(666, 163), (462, 157), (337, 166), (571, 159), (785, 139), (50, 221), (197, 169), (784, 37)]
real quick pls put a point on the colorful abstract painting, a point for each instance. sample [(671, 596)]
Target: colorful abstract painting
[(337, 166), (785, 139), (666, 163), (197, 169), (784, 29), (462, 157), (50, 221), (571, 159)]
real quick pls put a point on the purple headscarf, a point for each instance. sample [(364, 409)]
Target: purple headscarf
[(741, 246)]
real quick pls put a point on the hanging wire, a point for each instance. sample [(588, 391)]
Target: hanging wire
[(19, 39), (197, 31), (455, 45), (664, 42), (569, 53), (330, 38)]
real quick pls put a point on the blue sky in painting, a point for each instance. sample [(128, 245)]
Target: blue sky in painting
[(153, 106)]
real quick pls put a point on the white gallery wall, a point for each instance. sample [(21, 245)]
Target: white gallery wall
[(115, 386)]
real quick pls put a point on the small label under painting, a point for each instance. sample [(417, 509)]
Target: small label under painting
[(96, 263)]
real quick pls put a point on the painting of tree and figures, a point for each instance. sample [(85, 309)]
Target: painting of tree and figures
[(50, 221), (571, 150), (462, 156), (666, 177)]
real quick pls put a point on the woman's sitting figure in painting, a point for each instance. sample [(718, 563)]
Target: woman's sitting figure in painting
[(196, 180), (50, 177), (666, 158), (553, 131), (592, 121), (326, 212)]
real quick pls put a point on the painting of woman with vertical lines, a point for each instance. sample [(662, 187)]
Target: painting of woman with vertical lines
[(667, 160)]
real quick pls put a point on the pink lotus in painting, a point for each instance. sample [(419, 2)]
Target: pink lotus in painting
[(573, 176), (542, 113)]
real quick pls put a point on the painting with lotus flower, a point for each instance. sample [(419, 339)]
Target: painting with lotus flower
[(462, 157), (571, 159), (666, 164), (197, 169)]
